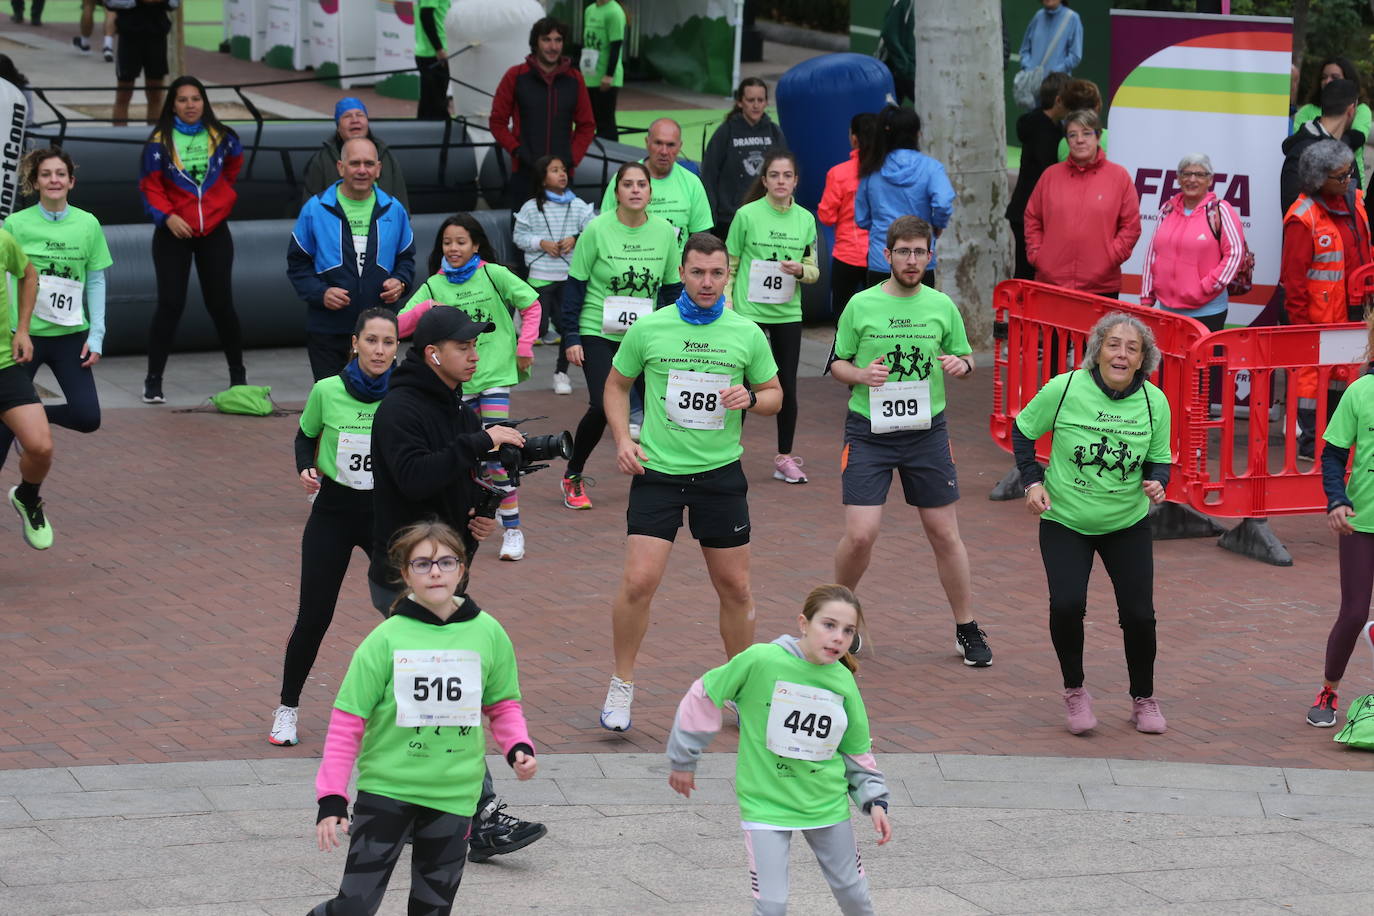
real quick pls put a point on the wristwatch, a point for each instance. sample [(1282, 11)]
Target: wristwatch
[(753, 399)]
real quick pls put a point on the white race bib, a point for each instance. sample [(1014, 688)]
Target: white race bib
[(805, 723), (899, 406), (619, 312), (768, 284), (591, 57), (353, 459), (437, 688), (693, 399), (360, 249), (59, 301)]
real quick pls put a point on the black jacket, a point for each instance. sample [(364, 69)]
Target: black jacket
[(1302, 138), (1039, 136), (425, 445)]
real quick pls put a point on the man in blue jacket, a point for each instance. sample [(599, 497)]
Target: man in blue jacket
[(352, 249)]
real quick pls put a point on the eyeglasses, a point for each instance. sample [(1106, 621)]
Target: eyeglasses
[(1343, 176), (1194, 174), (908, 254), (422, 565)]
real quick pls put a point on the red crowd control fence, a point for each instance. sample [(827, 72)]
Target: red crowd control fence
[(1241, 462)]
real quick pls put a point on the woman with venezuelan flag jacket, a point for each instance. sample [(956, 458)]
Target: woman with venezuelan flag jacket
[(189, 167)]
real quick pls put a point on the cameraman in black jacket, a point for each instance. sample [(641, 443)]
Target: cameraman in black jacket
[(426, 444)]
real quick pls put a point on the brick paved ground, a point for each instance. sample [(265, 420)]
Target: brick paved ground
[(153, 631)]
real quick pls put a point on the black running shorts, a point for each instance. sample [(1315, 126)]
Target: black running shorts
[(16, 388), (921, 457), (716, 503)]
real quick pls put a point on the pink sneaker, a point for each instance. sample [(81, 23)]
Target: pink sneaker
[(1079, 705), (787, 468), (1146, 717)]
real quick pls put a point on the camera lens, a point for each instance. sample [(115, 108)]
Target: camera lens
[(544, 448)]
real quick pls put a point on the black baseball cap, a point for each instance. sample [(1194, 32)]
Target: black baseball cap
[(444, 322)]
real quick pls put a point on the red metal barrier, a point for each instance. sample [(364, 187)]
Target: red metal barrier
[(1036, 326)]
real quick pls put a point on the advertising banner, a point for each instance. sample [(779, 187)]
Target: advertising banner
[(247, 28), (1184, 83), (284, 35), (396, 48), (324, 49)]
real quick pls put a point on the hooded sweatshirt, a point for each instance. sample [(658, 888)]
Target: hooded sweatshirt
[(425, 445), (1082, 223), (1187, 265), (733, 160), (909, 183), (1289, 184)]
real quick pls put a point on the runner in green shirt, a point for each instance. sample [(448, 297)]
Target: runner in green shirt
[(67, 247), (625, 261), (772, 246), (603, 61), (409, 713), (431, 59), (803, 746), (678, 195), (703, 366), (462, 273), (894, 345), (20, 409), (1350, 513), (1109, 461)]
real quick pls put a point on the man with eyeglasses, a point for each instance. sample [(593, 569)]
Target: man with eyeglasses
[(894, 344), (426, 445)]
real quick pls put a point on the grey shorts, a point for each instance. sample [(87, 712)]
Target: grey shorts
[(920, 456)]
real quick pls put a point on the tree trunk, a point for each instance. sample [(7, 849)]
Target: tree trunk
[(959, 96), (1300, 31)]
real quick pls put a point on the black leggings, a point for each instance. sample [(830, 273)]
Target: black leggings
[(1128, 557), (785, 342), (597, 353), (550, 311), (214, 257), (845, 281), (603, 111), (338, 523), (1357, 584), (82, 410), (377, 835)]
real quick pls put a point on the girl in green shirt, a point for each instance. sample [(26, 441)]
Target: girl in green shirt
[(772, 246)]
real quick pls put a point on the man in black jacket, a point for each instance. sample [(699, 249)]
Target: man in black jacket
[(1339, 98), (426, 445)]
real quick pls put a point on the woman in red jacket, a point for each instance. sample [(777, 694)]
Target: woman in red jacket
[(190, 164), (1083, 218)]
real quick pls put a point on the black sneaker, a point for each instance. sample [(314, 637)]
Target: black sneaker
[(499, 833), (972, 644), (152, 391), (1323, 712), (81, 44)]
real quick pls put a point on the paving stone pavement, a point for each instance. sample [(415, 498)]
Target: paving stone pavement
[(972, 835)]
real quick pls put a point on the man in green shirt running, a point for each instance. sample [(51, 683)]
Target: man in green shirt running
[(699, 361), (677, 195)]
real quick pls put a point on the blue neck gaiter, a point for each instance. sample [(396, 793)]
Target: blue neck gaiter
[(189, 130), (374, 387), (695, 314), (566, 197), (463, 274)]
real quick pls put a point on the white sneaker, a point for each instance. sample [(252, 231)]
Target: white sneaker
[(284, 727), (513, 544), (561, 383), (615, 712)]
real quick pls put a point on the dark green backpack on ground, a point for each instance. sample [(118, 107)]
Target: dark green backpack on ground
[(1359, 725)]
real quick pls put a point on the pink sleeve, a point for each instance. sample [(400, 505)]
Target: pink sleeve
[(407, 320), (508, 726), (696, 712), (341, 745), (529, 329)]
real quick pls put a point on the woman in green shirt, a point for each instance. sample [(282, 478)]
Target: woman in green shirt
[(67, 247), (1108, 462), (772, 247), (1338, 68)]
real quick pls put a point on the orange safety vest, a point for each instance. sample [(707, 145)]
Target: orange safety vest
[(1326, 275)]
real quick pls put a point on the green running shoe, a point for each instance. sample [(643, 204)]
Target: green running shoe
[(37, 531)]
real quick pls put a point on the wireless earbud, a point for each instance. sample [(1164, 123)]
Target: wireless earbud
[(434, 357)]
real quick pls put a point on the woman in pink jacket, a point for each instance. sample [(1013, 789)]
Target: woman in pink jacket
[(849, 257), (1196, 249), (1083, 218)]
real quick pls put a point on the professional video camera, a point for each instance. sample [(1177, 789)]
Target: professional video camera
[(518, 460)]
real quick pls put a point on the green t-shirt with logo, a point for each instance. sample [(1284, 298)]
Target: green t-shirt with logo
[(762, 232), (602, 24), (330, 411), (423, 46), (12, 261), (619, 260), (438, 767), (66, 249), (193, 152), (1099, 451), (661, 346), (909, 333), (358, 213), (679, 198), (784, 791), (488, 295), (1353, 426)]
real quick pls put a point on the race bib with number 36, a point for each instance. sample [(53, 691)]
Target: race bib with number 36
[(354, 460), (768, 284), (619, 312), (59, 301), (693, 399), (899, 406), (805, 723), (437, 688)]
